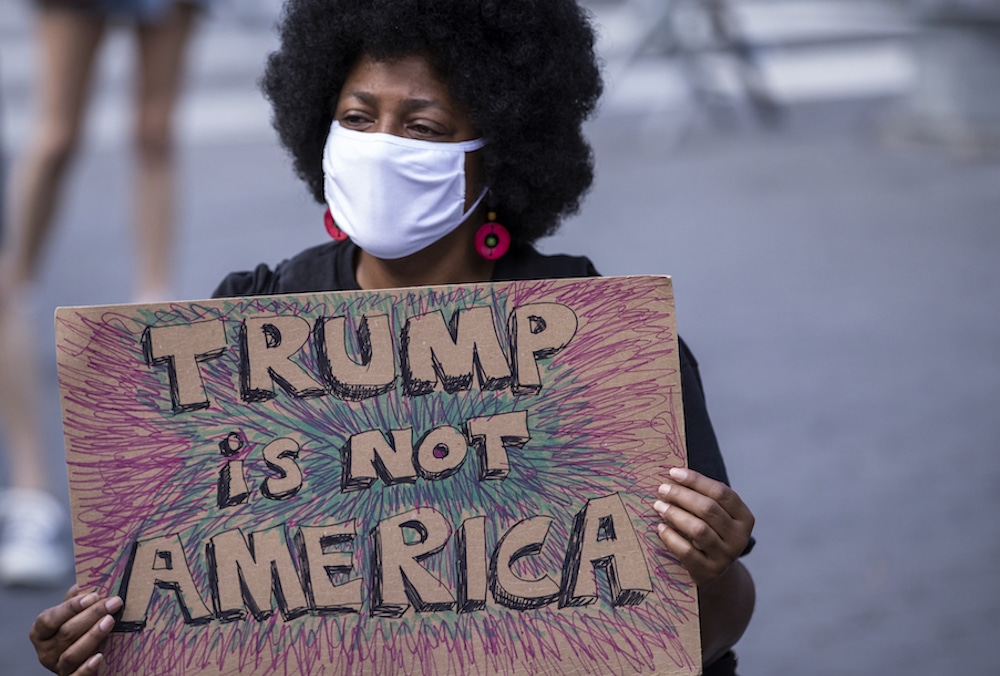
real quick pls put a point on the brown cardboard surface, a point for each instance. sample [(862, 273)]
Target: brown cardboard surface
[(452, 480)]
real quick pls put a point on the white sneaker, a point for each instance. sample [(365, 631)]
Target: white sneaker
[(30, 552)]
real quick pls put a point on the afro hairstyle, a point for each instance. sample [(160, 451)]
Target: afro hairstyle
[(525, 69)]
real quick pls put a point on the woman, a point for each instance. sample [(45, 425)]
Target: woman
[(488, 97), (70, 33)]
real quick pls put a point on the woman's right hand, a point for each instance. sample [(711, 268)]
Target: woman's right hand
[(66, 637)]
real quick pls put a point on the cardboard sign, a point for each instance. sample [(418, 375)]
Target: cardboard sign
[(447, 480)]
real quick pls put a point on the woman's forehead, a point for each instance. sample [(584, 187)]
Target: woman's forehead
[(408, 73)]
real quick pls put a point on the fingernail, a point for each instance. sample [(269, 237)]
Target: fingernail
[(678, 473), (661, 527), (114, 604), (95, 661), (663, 489), (660, 507), (106, 623), (88, 600)]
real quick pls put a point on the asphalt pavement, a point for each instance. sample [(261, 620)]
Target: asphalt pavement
[(839, 287)]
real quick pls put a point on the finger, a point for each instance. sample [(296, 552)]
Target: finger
[(707, 499), (703, 507), (90, 667), (733, 531), (699, 566), (73, 591), (716, 490), (51, 620), (74, 639), (698, 532), (83, 650)]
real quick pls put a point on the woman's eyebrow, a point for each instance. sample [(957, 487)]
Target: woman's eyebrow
[(423, 103), (365, 97), (370, 99)]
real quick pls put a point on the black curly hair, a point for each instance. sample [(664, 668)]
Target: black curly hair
[(525, 69)]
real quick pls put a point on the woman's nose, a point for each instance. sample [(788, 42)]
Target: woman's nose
[(388, 124)]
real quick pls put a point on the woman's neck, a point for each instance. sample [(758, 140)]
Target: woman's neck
[(450, 260)]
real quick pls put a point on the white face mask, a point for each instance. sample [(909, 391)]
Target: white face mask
[(392, 195)]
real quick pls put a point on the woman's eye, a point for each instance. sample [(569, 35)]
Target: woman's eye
[(354, 121), (423, 131)]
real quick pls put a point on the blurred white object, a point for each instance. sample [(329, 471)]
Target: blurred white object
[(30, 551), (666, 58), (955, 100), (705, 40)]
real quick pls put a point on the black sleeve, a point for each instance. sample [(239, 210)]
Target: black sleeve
[(704, 455), (259, 281), (724, 666)]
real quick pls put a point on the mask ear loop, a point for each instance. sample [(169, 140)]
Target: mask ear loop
[(492, 238)]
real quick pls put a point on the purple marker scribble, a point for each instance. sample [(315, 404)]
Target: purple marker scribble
[(138, 470)]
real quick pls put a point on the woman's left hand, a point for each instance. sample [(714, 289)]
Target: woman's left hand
[(704, 523)]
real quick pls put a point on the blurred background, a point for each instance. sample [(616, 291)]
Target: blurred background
[(822, 180)]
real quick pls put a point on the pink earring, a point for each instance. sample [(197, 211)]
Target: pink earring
[(492, 239), (331, 227)]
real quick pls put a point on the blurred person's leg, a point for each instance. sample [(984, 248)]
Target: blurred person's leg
[(68, 43), (162, 48)]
